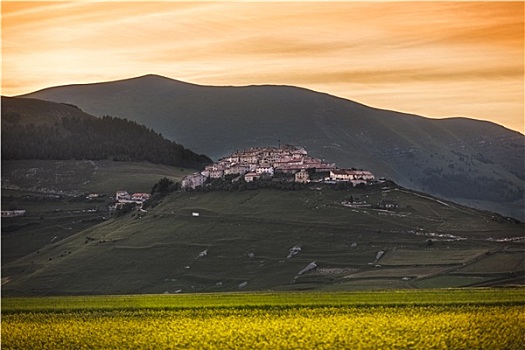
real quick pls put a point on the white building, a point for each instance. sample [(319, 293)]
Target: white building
[(140, 197), (12, 213), (193, 181), (249, 177), (265, 170), (216, 174), (302, 176), (122, 196), (350, 175)]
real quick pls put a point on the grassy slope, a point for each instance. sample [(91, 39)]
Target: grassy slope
[(26, 183), (159, 251), (75, 177)]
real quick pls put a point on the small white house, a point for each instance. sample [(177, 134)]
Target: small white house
[(350, 175), (12, 213), (302, 176), (193, 181), (249, 177), (266, 170), (122, 196), (140, 197), (216, 174)]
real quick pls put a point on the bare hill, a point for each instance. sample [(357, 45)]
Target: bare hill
[(477, 163)]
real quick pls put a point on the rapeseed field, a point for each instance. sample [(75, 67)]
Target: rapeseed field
[(345, 326)]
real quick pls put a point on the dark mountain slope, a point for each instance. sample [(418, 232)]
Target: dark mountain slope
[(34, 129), (472, 162), (33, 111)]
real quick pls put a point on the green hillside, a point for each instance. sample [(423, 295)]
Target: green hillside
[(468, 161), (76, 177), (53, 194), (245, 240)]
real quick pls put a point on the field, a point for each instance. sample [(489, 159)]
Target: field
[(74, 177), (53, 193), (431, 319), (242, 241)]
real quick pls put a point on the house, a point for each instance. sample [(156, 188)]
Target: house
[(140, 197), (363, 175), (193, 181), (249, 157), (341, 175), (388, 205), (122, 197), (350, 175), (249, 177), (12, 213), (235, 169), (265, 162), (216, 173), (290, 169), (265, 171), (324, 167), (302, 176)]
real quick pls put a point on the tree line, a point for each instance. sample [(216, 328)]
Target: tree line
[(94, 139)]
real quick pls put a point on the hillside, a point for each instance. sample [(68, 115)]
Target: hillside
[(21, 112), (33, 129), (472, 162), (268, 239), (53, 194)]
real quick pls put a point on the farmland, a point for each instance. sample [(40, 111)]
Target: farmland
[(430, 319), (242, 241), (53, 193)]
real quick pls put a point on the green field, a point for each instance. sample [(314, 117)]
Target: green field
[(242, 240), (53, 193), (74, 177), (431, 319), (415, 257)]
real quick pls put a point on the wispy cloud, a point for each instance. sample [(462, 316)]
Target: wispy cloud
[(382, 53)]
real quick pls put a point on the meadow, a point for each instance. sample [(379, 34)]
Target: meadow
[(424, 319), (247, 237)]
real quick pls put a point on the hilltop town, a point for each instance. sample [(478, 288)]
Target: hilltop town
[(289, 162)]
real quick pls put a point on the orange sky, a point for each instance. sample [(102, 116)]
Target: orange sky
[(437, 59)]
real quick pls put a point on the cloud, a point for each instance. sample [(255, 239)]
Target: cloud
[(406, 47)]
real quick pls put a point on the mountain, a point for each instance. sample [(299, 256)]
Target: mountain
[(477, 163), (19, 111), (35, 129), (268, 239)]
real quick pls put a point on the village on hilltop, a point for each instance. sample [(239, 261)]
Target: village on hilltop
[(269, 162)]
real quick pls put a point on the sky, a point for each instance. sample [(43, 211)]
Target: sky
[(436, 59)]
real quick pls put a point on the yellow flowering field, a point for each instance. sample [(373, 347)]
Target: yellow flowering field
[(405, 326)]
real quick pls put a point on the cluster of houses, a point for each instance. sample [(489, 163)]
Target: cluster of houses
[(12, 213), (123, 197), (267, 162)]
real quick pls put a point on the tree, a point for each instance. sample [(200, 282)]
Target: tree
[(163, 187)]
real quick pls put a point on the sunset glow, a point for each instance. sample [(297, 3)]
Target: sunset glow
[(436, 59)]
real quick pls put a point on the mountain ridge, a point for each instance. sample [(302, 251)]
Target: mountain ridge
[(37, 129), (185, 83), (455, 158)]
